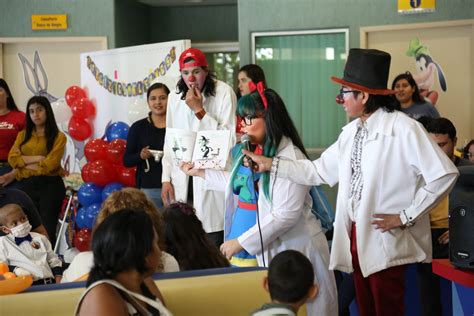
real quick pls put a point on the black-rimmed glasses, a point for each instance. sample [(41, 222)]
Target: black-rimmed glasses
[(248, 119), (341, 96)]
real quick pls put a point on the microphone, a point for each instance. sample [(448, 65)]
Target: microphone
[(246, 139)]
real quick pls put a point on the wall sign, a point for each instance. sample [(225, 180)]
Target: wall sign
[(49, 22), (416, 6)]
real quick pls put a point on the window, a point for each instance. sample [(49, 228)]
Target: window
[(298, 65), (223, 58)]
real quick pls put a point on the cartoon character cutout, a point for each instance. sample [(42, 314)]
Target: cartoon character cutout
[(40, 87), (36, 80), (427, 69)]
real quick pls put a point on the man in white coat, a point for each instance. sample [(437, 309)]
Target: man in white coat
[(390, 174), (201, 102)]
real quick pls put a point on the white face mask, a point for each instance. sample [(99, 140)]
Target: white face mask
[(21, 230)]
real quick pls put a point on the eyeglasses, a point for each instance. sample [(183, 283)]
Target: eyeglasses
[(248, 119), (341, 96)]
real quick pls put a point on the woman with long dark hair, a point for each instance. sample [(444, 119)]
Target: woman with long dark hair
[(409, 99), (126, 253), (249, 77), (248, 74), (187, 241), (12, 121), (281, 207), (147, 136), (36, 157)]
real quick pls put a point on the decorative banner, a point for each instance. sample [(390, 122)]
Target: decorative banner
[(416, 6), (49, 22), (131, 89), (118, 78)]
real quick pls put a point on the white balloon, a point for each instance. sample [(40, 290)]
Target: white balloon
[(137, 109), (62, 112)]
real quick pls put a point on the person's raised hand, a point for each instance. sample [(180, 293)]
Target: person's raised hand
[(194, 99)]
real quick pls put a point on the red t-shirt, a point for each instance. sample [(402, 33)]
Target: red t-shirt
[(10, 124)]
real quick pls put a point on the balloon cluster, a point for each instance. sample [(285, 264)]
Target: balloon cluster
[(103, 174), (82, 111), (105, 158)]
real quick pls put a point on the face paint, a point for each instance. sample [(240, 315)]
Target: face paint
[(351, 100), (194, 77)]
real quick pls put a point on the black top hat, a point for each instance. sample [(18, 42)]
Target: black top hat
[(367, 70)]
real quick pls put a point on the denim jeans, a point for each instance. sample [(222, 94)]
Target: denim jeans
[(154, 195)]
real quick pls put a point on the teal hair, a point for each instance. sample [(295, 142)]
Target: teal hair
[(251, 105)]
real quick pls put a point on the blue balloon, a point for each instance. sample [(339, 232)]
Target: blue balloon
[(117, 130), (81, 218), (91, 214), (89, 194), (110, 188)]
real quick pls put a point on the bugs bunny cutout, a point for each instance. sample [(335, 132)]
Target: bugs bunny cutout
[(74, 152)]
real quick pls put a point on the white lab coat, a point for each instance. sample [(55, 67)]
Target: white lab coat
[(286, 223), (220, 115), (403, 169)]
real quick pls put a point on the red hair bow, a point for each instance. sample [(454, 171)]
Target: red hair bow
[(261, 89)]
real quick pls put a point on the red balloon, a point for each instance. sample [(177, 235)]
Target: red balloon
[(79, 129), (82, 240), (83, 108), (127, 176), (101, 172), (85, 172), (95, 149), (74, 93), (116, 150)]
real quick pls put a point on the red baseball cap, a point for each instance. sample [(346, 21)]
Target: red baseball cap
[(194, 53)]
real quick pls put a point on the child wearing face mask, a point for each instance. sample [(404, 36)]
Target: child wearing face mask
[(26, 252)]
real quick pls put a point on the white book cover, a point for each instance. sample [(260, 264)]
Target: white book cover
[(206, 149)]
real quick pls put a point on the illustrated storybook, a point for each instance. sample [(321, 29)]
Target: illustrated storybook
[(206, 149)]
